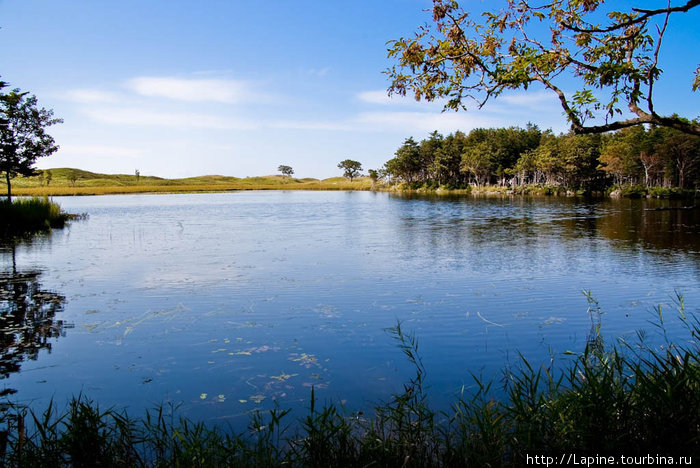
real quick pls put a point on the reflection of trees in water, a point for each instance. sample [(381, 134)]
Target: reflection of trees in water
[(662, 226), (465, 220), (27, 318), (655, 225), (485, 231)]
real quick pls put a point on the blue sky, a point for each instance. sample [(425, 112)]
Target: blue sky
[(183, 88)]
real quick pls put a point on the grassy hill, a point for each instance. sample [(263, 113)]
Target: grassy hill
[(69, 181)]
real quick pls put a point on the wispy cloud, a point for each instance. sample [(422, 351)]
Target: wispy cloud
[(91, 96), (425, 121), (381, 97), (377, 97), (139, 116), (396, 114), (529, 100), (506, 103), (319, 71), (195, 89), (311, 125), (101, 150)]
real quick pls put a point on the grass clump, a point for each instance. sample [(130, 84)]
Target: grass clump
[(627, 400), (28, 215)]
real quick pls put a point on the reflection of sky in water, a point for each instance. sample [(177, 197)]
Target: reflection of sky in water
[(226, 302)]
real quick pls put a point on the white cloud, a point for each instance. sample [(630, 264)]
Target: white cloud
[(425, 122), (91, 96), (540, 100), (319, 71), (382, 97), (138, 116), (376, 97), (194, 89), (101, 150), (311, 125), (529, 100)]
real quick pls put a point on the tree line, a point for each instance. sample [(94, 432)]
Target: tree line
[(515, 157)]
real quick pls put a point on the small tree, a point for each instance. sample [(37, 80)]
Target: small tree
[(478, 160), (351, 168), (72, 178), (406, 165), (374, 175), (49, 176), (286, 170), (23, 136), (652, 164), (619, 159), (137, 173), (684, 151)]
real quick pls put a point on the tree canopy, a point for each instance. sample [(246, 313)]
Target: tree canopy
[(285, 170), (613, 54), (657, 157), (351, 169), (23, 136)]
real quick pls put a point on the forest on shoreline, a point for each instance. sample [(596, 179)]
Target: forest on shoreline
[(513, 157)]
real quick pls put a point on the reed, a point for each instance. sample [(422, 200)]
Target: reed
[(630, 400), (27, 215)]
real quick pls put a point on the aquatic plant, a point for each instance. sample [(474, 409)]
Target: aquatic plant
[(25, 215), (620, 400)]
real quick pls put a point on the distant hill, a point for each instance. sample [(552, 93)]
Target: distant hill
[(70, 181)]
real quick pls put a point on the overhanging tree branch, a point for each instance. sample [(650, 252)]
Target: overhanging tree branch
[(645, 16), (458, 58)]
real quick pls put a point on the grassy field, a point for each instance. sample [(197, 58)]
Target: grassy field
[(67, 181)]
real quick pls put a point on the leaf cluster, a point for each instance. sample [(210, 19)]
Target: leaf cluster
[(613, 54)]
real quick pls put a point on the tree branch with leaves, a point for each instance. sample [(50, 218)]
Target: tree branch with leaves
[(613, 54)]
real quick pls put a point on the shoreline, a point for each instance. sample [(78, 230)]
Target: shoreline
[(76, 182), (528, 191)]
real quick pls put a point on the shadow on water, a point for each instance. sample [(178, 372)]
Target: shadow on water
[(27, 318)]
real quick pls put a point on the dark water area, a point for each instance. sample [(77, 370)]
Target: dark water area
[(226, 303)]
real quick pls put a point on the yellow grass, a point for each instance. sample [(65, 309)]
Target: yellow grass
[(66, 181)]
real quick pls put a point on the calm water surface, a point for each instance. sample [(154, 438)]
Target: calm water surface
[(225, 303)]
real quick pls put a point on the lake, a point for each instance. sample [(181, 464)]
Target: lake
[(225, 303)]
